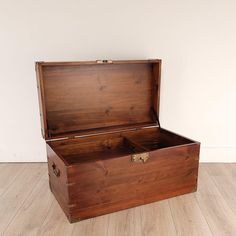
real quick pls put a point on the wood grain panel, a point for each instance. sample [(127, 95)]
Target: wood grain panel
[(79, 97), (119, 183)]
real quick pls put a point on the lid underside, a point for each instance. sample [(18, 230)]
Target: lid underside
[(77, 97)]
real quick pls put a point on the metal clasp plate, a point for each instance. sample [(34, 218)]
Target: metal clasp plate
[(104, 61), (140, 157)]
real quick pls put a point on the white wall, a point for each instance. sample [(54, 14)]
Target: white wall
[(195, 39)]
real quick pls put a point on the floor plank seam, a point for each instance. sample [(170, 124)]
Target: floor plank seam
[(39, 233), (1, 195), (108, 223), (204, 216), (219, 192), (168, 200), (21, 205)]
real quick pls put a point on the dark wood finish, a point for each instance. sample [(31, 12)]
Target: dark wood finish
[(102, 178), (89, 96), (95, 116), (40, 87)]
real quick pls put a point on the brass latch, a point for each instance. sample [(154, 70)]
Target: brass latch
[(140, 157), (104, 61)]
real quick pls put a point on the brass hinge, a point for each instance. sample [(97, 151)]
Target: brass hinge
[(140, 157), (154, 114)]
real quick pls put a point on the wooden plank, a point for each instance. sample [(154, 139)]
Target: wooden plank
[(188, 217), (56, 223), (225, 181), (217, 169), (154, 219), (219, 216), (232, 169), (33, 211), (17, 193), (92, 227), (124, 223), (2, 165), (151, 219), (41, 98), (8, 173), (119, 95)]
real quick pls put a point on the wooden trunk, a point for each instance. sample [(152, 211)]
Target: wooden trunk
[(106, 150)]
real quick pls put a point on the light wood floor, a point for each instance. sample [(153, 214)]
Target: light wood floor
[(27, 207)]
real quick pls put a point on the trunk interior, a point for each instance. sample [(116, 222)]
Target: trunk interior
[(106, 146)]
